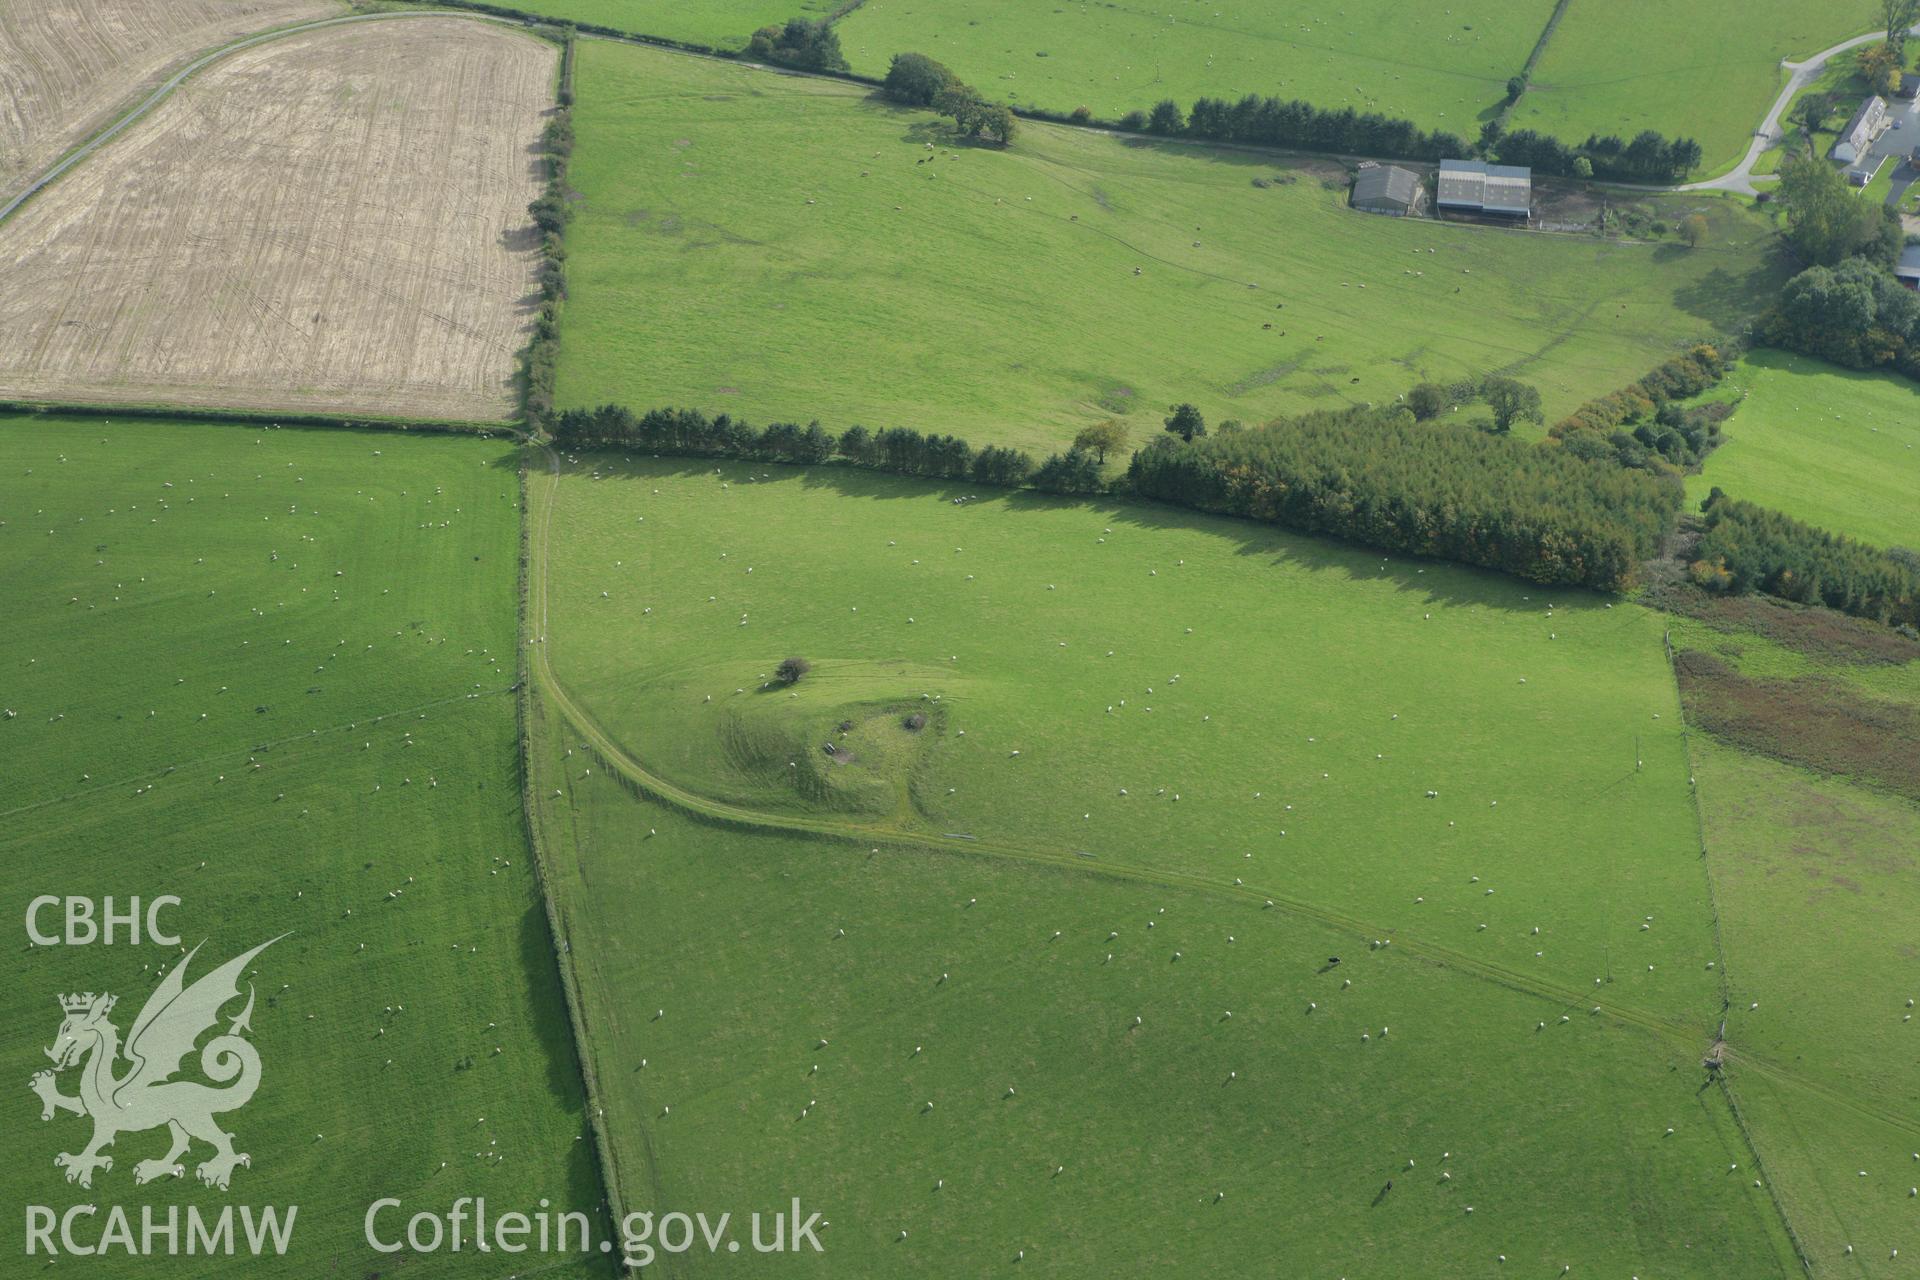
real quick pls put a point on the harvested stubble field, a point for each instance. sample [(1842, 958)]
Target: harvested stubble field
[(333, 221), (67, 65)]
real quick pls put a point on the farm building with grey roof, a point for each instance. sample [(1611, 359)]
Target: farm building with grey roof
[(1389, 189), (1471, 186)]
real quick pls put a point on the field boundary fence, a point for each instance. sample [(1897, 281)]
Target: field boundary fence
[(558, 936), (1720, 960)]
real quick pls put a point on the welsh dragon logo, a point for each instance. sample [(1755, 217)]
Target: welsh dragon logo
[(146, 1096)]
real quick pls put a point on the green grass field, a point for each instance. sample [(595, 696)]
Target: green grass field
[(1444, 68), (1280, 749), (1608, 69), (775, 248), (1827, 445), (1117, 1138), (722, 24), (1708, 72), (1814, 882), (267, 671), (1469, 689)]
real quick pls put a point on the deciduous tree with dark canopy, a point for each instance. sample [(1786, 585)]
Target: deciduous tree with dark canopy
[(1856, 314), (1511, 401), (801, 43), (916, 79), (972, 116), (1185, 421), (1896, 16), (1826, 222), (1427, 400), (790, 670)]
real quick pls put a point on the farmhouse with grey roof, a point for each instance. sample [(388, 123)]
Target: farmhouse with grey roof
[(1860, 132)]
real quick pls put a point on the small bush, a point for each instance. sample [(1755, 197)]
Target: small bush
[(791, 669)]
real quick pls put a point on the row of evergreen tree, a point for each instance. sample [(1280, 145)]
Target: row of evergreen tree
[(1374, 476), (1379, 477), (1297, 125), (1753, 548), (898, 449), (1649, 157)]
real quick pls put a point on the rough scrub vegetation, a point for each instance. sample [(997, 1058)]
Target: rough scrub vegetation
[(1644, 425)]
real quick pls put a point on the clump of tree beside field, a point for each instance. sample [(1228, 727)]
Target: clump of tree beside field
[(1753, 548), (915, 80), (1646, 425), (1382, 478), (800, 43), (1847, 306)]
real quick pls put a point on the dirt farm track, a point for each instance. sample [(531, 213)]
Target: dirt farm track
[(333, 220), (67, 65)]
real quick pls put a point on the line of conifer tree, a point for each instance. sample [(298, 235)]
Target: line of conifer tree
[(1298, 125), (1753, 548), (897, 449)]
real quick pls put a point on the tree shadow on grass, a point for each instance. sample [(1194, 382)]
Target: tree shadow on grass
[(553, 1033), (1434, 582), (1250, 158), (1728, 298)]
